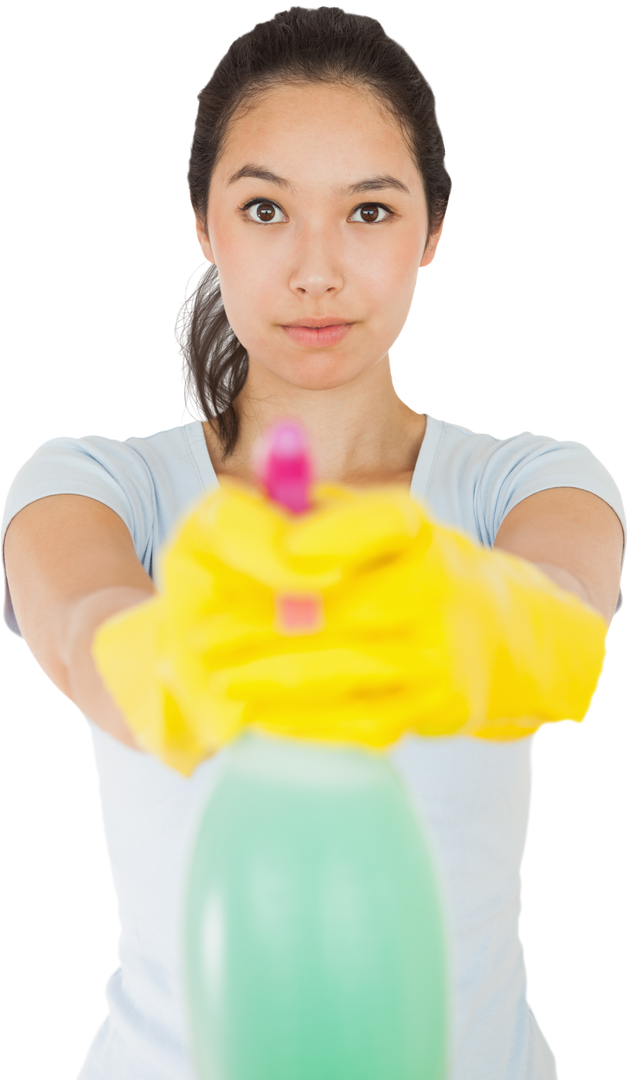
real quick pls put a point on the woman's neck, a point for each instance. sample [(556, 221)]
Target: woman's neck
[(393, 466)]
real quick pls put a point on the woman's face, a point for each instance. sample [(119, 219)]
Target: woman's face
[(317, 222)]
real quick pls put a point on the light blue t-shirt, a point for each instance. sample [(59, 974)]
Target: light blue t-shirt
[(473, 795)]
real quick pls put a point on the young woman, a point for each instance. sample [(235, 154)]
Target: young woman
[(319, 188)]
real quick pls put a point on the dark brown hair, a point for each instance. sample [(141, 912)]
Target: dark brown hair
[(323, 44)]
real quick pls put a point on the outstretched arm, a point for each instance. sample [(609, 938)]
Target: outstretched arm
[(572, 536)]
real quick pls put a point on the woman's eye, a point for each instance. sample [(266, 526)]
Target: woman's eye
[(371, 210), (265, 211), (266, 208)]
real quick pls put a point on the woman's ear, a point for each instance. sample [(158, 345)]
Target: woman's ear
[(203, 239), (432, 244)]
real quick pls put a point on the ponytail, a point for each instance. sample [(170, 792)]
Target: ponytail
[(216, 363)]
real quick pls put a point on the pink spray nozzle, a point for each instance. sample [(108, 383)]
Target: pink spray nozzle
[(285, 466)]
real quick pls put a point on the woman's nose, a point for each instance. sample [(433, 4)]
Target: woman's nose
[(318, 265)]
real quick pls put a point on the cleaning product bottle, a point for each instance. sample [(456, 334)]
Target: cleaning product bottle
[(314, 943)]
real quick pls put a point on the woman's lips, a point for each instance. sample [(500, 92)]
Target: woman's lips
[(320, 336)]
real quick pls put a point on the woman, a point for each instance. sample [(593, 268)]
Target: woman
[(319, 188)]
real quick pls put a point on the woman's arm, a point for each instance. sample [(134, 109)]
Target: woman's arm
[(574, 537), (77, 628)]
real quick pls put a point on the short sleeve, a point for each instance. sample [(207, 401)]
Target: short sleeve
[(99, 467)]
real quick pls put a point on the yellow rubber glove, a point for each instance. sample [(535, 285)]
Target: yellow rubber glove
[(355, 622)]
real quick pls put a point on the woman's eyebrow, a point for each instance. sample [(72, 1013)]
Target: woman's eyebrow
[(372, 183)]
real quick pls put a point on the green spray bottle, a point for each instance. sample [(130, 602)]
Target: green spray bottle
[(315, 946)]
